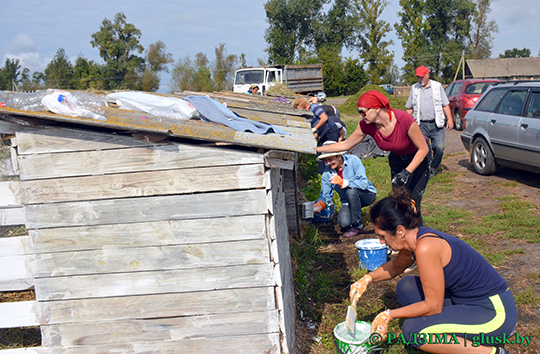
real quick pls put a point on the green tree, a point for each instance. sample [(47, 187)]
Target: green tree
[(28, 83), (449, 23), (87, 74), (9, 74), (516, 53), (355, 76), (482, 31), (156, 61), (118, 44), (189, 75), (333, 72), (337, 27), (59, 71), (223, 68), (373, 47), (290, 27), (411, 30)]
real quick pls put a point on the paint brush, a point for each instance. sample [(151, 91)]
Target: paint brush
[(350, 321)]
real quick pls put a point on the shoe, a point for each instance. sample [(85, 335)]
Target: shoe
[(411, 268), (353, 231), (502, 351)]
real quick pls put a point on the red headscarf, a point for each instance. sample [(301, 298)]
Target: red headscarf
[(374, 99)]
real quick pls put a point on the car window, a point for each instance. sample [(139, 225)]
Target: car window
[(448, 89), (477, 88), (489, 102), (533, 108), (455, 89), (512, 104)]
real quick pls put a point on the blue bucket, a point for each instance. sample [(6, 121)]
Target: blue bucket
[(371, 253)]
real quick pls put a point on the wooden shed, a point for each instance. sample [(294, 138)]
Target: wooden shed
[(504, 68), (151, 239)]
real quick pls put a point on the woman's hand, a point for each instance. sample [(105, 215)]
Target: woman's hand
[(335, 179), (358, 288), (380, 323)]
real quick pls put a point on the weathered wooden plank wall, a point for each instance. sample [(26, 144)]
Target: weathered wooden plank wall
[(138, 247)]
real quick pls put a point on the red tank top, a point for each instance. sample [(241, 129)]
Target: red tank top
[(398, 140)]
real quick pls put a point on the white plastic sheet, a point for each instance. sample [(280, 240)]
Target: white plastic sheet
[(62, 102), (145, 102)]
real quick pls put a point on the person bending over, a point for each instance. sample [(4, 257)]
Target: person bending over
[(457, 297)]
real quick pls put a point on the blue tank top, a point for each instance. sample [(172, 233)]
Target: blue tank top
[(468, 274)]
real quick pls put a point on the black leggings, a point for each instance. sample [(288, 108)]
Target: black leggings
[(419, 178), (491, 316)]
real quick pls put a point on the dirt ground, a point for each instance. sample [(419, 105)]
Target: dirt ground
[(478, 194)]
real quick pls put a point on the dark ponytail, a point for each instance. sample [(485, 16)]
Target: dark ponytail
[(396, 209)]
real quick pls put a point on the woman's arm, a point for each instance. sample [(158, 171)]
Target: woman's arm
[(419, 141), (431, 254), (355, 138), (393, 267)]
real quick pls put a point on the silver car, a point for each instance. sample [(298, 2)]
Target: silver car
[(503, 128)]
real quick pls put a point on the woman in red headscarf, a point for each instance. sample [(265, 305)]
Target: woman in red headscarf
[(395, 131)]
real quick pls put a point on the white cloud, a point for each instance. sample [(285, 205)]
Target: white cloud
[(22, 43)]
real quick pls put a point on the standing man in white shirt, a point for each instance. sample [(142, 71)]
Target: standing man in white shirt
[(428, 105)]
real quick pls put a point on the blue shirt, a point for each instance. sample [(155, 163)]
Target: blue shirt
[(353, 171)]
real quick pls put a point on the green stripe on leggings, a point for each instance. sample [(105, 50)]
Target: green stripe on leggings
[(488, 327)]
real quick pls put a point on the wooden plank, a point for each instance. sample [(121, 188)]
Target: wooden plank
[(50, 140), (8, 194), (161, 157), (15, 274), (13, 246), (18, 314), (271, 162), (153, 282), (260, 343), (142, 184), (162, 233), (115, 211), (31, 350), (112, 260), (162, 329), (278, 230), (6, 168), (12, 216), (186, 128), (156, 306), (277, 119)]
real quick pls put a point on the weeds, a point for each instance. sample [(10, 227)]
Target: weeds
[(527, 297)]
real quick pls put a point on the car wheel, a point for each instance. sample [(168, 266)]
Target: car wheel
[(482, 157), (458, 124)]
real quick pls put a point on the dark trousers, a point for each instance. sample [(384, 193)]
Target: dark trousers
[(350, 214), (468, 317), (419, 178)]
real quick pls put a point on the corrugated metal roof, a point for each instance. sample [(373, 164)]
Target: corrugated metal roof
[(281, 115), (505, 67)]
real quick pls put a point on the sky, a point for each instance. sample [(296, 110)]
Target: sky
[(34, 30)]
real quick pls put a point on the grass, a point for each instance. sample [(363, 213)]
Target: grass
[(350, 107), (517, 220), (527, 297)]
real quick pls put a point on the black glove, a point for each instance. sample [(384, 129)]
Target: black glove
[(401, 179)]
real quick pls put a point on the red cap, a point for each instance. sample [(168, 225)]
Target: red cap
[(422, 71)]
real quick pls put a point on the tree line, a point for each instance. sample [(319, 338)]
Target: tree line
[(434, 33)]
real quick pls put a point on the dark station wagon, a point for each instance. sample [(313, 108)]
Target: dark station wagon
[(503, 128)]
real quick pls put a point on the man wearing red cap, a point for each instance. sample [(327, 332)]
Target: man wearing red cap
[(428, 105)]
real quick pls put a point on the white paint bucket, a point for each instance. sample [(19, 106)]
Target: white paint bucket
[(349, 343)]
